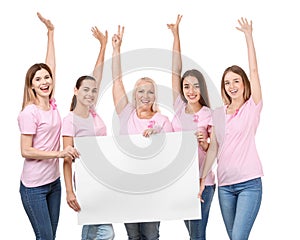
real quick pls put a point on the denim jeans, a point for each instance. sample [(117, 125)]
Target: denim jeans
[(42, 206), (239, 205), (97, 232), (197, 227), (143, 230)]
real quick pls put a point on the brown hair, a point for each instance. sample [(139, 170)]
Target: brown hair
[(77, 86), (247, 89), (204, 99), (29, 95)]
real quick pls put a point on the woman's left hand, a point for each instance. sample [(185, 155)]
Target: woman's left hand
[(149, 132)]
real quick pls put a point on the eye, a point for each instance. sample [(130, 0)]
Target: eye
[(185, 86), (94, 91), (47, 77)]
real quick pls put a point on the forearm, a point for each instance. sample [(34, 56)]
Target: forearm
[(119, 94), (33, 153), (50, 54), (176, 67), (253, 69), (211, 155), (98, 69), (67, 168)]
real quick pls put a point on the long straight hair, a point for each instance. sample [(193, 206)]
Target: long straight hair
[(247, 88), (204, 98), (29, 95)]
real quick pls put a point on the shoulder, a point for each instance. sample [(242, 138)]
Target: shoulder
[(161, 117), (28, 110), (206, 110)]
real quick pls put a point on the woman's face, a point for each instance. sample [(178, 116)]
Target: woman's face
[(145, 95), (234, 85), (42, 83), (191, 89), (87, 93)]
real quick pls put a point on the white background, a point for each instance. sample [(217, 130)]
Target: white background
[(209, 37)]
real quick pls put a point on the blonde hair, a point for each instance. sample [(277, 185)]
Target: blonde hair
[(154, 107)]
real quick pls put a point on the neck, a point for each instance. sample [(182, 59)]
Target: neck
[(144, 113), (82, 111), (236, 103), (192, 108), (43, 103)]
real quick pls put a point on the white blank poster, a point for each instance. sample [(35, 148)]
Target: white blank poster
[(136, 179)]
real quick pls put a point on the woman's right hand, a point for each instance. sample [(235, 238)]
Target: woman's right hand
[(202, 187), (72, 202)]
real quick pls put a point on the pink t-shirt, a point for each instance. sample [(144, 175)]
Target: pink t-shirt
[(201, 120), (45, 127), (76, 126), (131, 124), (238, 160)]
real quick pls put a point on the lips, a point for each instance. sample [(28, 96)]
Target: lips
[(44, 88)]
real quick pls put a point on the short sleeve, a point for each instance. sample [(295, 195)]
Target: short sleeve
[(68, 127), (28, 120)]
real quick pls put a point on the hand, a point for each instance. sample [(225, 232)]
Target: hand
[(245, 27), (47, 22), (72, 202), (202, 139), (69, 152), (149, 132), (117, 38), (174, 27), (202, 187), (100, 36)]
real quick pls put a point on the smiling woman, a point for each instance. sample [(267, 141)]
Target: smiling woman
[(40, 124)]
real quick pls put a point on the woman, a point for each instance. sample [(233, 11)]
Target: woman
[(233, 144), (40, 125), (192, 113), (82, 120), (142, 116)]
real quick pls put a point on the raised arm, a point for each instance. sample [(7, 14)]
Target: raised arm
[(50, 54), (98, 69), (176, 58), (246, 28), (119, 94)]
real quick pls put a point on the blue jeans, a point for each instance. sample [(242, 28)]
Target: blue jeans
[(42, 205), (239, 205), (197, 227), (97, 232), (143, 230)]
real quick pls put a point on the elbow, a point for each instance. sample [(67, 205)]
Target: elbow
[(25, 153)]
